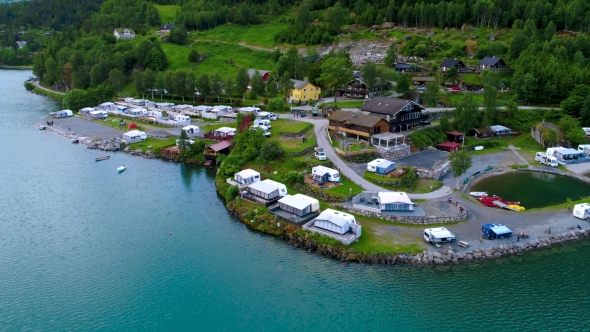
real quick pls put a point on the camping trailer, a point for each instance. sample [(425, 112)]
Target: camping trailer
[(134, 136), (191, 130), (543, 158), (86, 110), (584, 148), (325, 174), (582, 211), (95, 115), (247, 176), (282, 188), (438, 235), (334, 221), (182, 120), (295, 205), (495, 231), (265, 123), (256, 110), (372, 166), (385, 167), (315, 204)]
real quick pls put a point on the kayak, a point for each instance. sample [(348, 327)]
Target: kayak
[(102, 158), (478, 193)]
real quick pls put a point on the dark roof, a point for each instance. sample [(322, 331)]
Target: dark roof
[(489, 61), (402, 66), (167, 26), (385, 105), (454, 133), (483, 130), (220, 146), (450, 63), (356, 118)]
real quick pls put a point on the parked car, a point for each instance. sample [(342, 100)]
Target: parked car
[(319, 154), (302, 114), (456, 89)]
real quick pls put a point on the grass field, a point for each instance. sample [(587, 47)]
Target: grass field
[(288, 126), (294, 144), (258, 35), (344, 189), (346, 104), (167, 13), (524, 141), (219, 56), (374, 241), (177, 56), (456, 98), (155, 143)]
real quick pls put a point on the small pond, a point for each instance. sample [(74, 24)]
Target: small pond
[(533, 189)]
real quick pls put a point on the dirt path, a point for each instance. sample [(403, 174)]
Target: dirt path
[(256, 48), (36, 83)]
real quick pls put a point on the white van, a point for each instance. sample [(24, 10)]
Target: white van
[(265, 123), (586, 130), (543, 158), (584, 148), (438, 235), (372, 166), (582, 211), (272, 116)]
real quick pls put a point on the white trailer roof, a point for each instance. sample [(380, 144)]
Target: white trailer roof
[(385, 164), (336, 217), (247, 173), (307, 198), (501, 229), (498, 128), (295, 202), (226, 130), (264, 187), (440, 232), (190, 127), (387, 197), (376, 162)]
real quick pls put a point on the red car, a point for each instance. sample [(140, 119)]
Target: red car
[(456, 88)]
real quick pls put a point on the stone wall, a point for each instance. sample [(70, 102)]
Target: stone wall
[(319, 194), (298, 134), (302, 152), (400, 151), (437, 171), (461, 215)]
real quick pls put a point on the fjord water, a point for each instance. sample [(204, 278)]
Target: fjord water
[(153, 248)]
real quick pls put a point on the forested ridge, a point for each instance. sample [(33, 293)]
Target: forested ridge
[(546, 65)]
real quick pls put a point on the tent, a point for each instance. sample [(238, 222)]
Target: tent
[(495, 231), (132, 126)]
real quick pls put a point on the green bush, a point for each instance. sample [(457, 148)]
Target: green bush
[(230, 193), (293, 177), (29, 86), (270, 151)]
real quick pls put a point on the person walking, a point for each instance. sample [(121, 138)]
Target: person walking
[(518, 238)]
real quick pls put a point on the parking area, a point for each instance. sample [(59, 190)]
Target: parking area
[(424, 159)]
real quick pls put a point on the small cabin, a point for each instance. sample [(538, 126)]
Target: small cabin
[(449, 146), (483, 132), (394, 201), (264, 190), (247, 176), (214, 150), (385, 167), (455, 136)]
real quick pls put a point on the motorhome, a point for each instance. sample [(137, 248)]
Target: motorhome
[(586, 131), (582, 211), (323, 174), (256, 110), (584, 148), (438, 235), (272, 116), (86, 110), (264, 129), (543, 158), (372, 166), (106, 106), (265, 123), (223, 108)]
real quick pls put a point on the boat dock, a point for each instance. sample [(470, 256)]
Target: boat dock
[(503, 205)]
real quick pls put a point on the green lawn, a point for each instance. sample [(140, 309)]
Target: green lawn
[(354, 146), (177, 57), (524, 141), (346, 104), (456, 97), (259, 35), (222, 58), (288, 126), (155, 143), (471, 78), (344, 189), (167, 13), (421, 185), (373, 241), (294, 144)]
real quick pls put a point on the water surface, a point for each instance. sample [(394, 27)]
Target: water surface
[(83, 248)]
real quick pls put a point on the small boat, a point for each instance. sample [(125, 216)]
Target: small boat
[(102, 158), (42, 127), (75, 140), (478, 193), (121, 168)]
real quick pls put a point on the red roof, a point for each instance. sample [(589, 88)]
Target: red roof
[(220, 146), (454, 133), (449, 144)]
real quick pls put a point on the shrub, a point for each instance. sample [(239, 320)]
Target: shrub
[(230, 193), (293, 177), (270, 151), (29, 86)]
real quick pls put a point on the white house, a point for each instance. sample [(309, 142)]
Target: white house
[(124, 33), (394, 201), (247, 177), (191, 130), (264, 190), (282, 188), (134, 136)]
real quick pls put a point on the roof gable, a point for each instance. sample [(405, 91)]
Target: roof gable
[(386, 105), (356, 118), (450, 63), (490, 61), (251, 72)]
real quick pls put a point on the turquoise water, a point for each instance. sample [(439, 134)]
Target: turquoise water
[(83, 248), (533, 189)]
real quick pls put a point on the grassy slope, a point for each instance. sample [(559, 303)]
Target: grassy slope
[(219, 55), (167, 13), (258, 35)]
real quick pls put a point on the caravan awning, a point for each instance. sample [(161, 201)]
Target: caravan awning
[(500, 230)]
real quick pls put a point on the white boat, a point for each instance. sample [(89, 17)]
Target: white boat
[(121, 168), (478, 193), (42, 127)]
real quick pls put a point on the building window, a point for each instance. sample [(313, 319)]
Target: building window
[(304, 96), (312, 89), (304, 90)]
